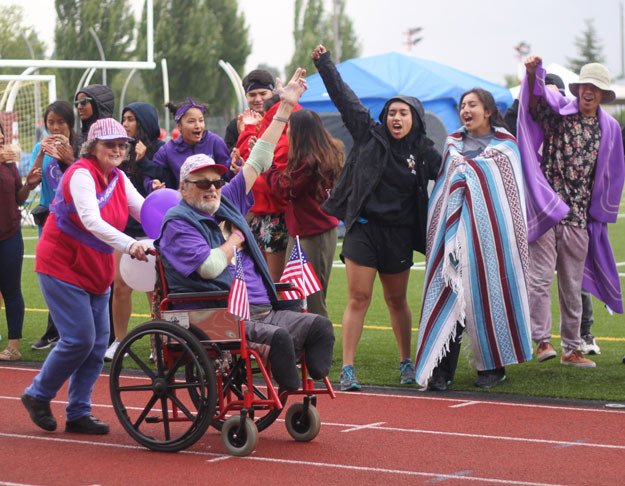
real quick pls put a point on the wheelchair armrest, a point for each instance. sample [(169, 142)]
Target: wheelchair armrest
[(200, 295)]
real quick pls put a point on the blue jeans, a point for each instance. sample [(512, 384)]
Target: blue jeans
[(82, 320), (11, 257)]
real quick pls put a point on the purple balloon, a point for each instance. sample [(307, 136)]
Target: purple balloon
[(154, 208)]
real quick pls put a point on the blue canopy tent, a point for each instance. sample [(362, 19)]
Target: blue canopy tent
[(377, 78)]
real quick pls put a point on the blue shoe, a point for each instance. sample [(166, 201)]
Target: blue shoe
[(407, 372), (349, 382)]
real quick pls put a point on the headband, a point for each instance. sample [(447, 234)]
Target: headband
[(186, 107), (256, 85)]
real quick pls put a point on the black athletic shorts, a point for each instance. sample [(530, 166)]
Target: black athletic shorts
[(385, 248)]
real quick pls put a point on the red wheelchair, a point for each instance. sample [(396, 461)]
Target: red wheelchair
[(185, 370)]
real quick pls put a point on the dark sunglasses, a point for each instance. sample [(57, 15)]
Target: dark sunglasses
[(83, 101), (205, 184), (112, 145)]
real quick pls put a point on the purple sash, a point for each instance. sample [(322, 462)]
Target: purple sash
[(62, 209)]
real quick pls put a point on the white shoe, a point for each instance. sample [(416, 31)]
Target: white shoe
[(589, 345), (110, 352)]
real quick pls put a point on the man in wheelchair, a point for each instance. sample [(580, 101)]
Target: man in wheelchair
[(197, 244)]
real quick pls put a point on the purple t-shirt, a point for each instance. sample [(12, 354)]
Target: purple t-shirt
[(186, 249)]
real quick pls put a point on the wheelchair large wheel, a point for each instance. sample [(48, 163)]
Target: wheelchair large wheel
[(234, 381), (302, 423), (240, 441), (158, 403)]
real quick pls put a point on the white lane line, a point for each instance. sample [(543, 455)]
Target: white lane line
[(569, 408), (279, 460), (380, 427), (456, 474), (466, 404), (398, 471), (219, 459), (365, 426), (530, 440), (573, 444)]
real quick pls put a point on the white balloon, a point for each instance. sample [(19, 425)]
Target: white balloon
[(138, 275)]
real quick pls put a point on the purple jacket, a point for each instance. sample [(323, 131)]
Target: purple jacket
[(545, 209), (173, 154)]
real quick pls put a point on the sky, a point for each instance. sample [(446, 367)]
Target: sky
[(476, 36)]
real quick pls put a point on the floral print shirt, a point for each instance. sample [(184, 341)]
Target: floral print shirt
[(570, 150)]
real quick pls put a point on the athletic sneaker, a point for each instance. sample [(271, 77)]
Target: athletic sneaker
[(110, 352), (575, 358), (407, 372), (589, 345), (349, 382), (490, 378), (45, 343), (545, 351)]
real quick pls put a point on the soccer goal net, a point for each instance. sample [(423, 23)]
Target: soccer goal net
[(23, 101)]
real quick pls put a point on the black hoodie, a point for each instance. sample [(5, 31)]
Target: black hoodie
[(103, 105), (375, 154)]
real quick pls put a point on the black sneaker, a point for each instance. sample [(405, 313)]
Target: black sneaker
[(87, 425), (490, 378), (438, 383), (45, 343), (39, 412)]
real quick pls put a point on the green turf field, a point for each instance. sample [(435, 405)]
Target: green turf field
[(377, 360)]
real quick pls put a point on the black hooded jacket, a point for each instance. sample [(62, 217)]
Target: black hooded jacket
[(103, 105), (372, 153)]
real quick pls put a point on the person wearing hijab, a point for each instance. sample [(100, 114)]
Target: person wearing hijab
[(381, 196)]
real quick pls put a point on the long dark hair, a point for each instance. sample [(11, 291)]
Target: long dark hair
[(140, 134), (310, 143), (486, 97), (65, 110)]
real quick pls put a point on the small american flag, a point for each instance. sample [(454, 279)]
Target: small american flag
[(300, 272), (238, 303)]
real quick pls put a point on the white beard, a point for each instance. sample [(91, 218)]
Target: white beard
[(208, 207)]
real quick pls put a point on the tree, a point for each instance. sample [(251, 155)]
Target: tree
[(589, 48), (112, 21), (193, 35), (311, 25), (17, 39)]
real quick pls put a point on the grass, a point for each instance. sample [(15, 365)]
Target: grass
[(377, 359)]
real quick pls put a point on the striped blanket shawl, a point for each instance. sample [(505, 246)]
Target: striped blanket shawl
[(477, 258)]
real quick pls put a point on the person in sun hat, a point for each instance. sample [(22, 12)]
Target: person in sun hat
[(574, 164), (75, 267)]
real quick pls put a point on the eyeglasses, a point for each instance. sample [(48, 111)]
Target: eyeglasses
[(205, 184), (83, 101), (112, 145)]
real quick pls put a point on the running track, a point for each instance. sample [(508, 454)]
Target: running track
[(366, 438)]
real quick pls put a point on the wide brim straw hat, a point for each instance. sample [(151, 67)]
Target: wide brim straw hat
[(597, 75)]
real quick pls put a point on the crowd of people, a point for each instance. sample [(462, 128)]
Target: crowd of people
[(514, 199)]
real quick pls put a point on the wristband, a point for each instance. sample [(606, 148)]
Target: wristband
[(281, 119)]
